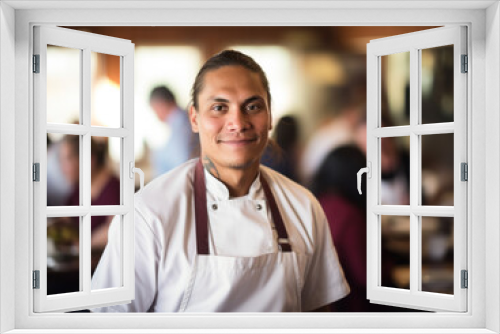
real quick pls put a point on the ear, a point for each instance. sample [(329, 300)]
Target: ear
[(193, 118), (270, 120)]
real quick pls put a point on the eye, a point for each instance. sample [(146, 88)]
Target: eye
[(218, 107), (254, 107)]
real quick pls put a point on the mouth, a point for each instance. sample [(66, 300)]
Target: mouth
[(238, 142)]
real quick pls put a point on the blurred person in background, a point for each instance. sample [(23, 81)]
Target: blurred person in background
[(395, 168), (181, 143), (284, 157), (395, 165), (338, 129), (335, 187), (105, 186), (58, 187)]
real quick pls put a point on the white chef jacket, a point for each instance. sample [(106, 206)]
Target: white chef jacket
[(165, 239)]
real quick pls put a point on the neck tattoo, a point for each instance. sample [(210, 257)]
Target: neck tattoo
[(209, 165)]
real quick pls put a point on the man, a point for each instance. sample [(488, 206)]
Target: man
[(223, 233), (180, 145)]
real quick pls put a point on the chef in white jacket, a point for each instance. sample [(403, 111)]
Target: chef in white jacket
[(223, 233)]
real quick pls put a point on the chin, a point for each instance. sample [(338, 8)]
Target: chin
[(240, 164)]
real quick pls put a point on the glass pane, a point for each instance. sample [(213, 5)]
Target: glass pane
[(437, 254), (395, 76), (395, 232), (395, 170), (437, 169), (106, 228), (63, 84), (63, 255), (105, 170), (105, 91), (437, 84), (63, 169)]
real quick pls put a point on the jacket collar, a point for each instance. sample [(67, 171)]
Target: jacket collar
[(219, 191)]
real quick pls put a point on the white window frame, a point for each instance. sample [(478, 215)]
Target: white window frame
[(413, 43), (86, 43), (483, 211)]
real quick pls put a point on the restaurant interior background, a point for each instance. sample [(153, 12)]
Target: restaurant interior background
[(317, 76)]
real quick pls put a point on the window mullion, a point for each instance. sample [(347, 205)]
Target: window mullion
[(415, 251), (127, 186), (85, 170)]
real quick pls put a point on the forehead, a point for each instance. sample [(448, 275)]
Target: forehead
[(232, 80)]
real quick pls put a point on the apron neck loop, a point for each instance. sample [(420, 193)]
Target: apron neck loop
[(201, 214)]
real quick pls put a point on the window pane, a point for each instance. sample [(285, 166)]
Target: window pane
[(437, 254), (395, 171), (63, 84), (105, 170), (437, 169), (63, 255), (104, 229), (105, 94), (437, 84), (63, 169), (395, 232), (395, 76)]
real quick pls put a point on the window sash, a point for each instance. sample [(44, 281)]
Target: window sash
[(412, 297), (86, 42)]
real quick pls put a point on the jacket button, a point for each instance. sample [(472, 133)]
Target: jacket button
[(259, 207), (214, 207)]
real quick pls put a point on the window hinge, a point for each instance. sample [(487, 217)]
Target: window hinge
[(465, 279), (36, 172), (465, 64), (36, 279), (464, 172), (36, 63)]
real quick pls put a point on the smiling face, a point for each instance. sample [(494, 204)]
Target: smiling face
[(233, 117)]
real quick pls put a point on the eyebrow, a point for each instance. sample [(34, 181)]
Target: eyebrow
[(253, 98), (248, 100)]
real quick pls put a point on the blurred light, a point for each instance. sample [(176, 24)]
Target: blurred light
[(63, 84), (398, 76), (324, 69), (106, 103), (427, 76)]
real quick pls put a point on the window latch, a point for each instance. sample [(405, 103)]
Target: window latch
[(368, 171), (132, 171)]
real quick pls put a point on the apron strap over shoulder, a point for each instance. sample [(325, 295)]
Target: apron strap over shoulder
[(200, 210), (283, 241), (201, 214)]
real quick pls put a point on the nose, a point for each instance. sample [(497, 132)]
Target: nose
[(237, 121)]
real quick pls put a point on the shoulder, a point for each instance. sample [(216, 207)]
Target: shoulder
[(302, 214), (167, 192), (288, 191)]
